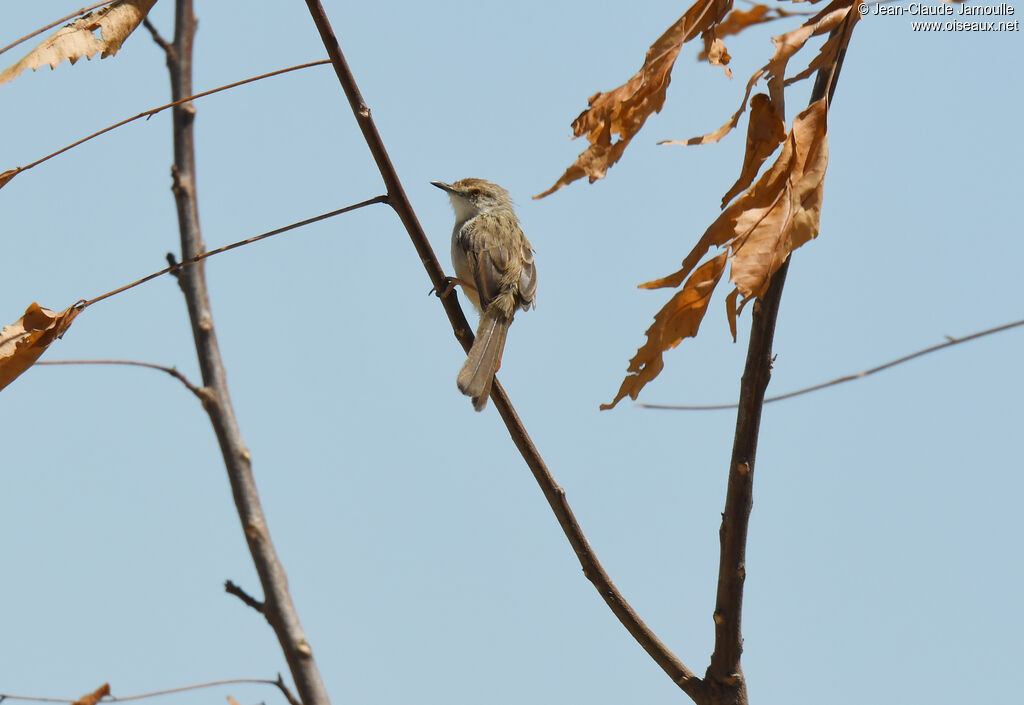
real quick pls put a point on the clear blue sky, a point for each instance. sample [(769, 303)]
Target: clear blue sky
[(883, 561)]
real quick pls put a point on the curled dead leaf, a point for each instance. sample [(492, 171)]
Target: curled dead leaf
[(679, 318), (22, 342), (759, 230), (624, 110), (782, 211), (94, 697), (101, 31), (8, 175), (715, 51), (786, 45), (738, 20), (765, 132)]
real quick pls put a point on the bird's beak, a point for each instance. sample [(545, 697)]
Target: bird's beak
[(445, 187)]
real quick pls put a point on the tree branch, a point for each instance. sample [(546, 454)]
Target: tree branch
[(554, 494), (279, 609), (172, 371), (724, 676), (840, 380)]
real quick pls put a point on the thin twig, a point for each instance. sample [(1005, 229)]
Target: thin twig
[(220, 250), (552, 492), (287, 693), (153, 111), (172, 371), (847, 378), (233, 589), (55, 23), (279, 609), (157, 37), (141, 696)]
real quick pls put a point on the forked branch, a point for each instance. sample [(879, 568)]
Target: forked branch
[(278, 607)]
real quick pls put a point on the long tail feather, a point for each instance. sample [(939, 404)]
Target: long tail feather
[(477, 373)]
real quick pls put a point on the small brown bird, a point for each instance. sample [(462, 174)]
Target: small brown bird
[(494, 263)]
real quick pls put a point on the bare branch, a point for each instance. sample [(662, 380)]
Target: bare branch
[(552, 492), (11, 173), (847, 378), (172, 371), (181, 689), (292, 700), (279, 609), (176, 267)]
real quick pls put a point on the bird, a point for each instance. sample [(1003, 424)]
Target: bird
[(493, 262)]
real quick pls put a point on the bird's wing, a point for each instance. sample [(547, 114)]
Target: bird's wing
[(528, 276), (489, 255)]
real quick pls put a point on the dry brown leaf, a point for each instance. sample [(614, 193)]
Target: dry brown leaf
[(22, 342), (739, 20), (715, 51), (95, 696), (830, 50), (8, 175), (785, 46), (759, 231), (679, 318), (788, 44), (624, 110), (101, 31), (765, 132), (782, 210), (728, 126)]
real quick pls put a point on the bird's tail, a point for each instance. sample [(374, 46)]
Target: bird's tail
[(477, 373)]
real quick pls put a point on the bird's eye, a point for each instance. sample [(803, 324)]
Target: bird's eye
[(475, 193)]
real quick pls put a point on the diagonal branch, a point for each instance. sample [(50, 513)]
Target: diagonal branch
[(279, 609), (554, 494)]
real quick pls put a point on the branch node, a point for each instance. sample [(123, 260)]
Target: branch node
[(254, 529)]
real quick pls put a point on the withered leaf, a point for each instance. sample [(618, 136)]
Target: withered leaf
[(739, 20), (101, 31), (679, 318), (765, 132), (759, 230), (22, 342), (786, 45), (830, 51), (715, 51), (624, 110), (8, 175), (95, 696), (728, 126), (782, 210)]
